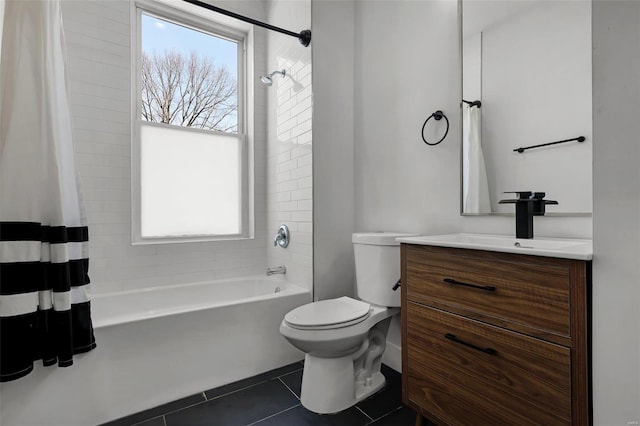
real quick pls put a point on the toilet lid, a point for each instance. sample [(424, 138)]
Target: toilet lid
[(332, 313)]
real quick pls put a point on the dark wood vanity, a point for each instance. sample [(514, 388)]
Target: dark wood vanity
[(491, 338)]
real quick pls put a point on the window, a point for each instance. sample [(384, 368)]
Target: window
[(191, 174)]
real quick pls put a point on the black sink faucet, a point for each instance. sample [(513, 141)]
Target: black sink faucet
[(528, 204)]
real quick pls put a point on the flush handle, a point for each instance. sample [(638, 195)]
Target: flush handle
[(398, 284)]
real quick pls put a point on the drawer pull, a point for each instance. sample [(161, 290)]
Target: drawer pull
[(453, 338), (479, 287)]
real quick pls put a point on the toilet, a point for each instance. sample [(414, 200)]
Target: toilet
[(344, 338)]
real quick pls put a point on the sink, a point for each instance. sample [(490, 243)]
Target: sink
[(549, 247)]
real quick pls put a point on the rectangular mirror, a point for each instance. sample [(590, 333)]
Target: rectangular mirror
[(528, 63)]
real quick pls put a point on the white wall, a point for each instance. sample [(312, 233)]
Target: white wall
[(472, 69), (333, 133), (616, 213), (289, 142), (406, 67), (536, 88), (99, 43), (403, 76)]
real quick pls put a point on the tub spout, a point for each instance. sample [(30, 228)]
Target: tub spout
[(277, 270)]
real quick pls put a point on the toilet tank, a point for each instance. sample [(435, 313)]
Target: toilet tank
[(377, 260)]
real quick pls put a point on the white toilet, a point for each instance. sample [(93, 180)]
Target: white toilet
[(344, 338)]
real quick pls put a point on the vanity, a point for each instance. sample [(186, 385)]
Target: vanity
[(496, 331)]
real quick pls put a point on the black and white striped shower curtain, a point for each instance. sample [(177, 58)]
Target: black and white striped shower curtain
[(44, 301)]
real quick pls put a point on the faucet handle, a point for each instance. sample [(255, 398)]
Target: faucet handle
[(539, 206), (282, 237), (523, 195)]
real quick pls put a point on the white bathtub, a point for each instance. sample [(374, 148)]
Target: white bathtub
[(158, 345)]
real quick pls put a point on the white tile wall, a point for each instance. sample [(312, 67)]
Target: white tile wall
[(98, 38), (289, 176)]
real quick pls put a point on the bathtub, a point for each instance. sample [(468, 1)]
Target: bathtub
[(157, 345)]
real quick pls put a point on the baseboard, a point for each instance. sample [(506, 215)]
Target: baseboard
[(392, 356)]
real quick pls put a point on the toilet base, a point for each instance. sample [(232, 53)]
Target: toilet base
[(328, 384)]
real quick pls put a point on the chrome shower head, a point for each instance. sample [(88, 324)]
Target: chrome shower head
[(267, 80)]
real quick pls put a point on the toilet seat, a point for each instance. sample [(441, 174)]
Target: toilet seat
[(328, 314)]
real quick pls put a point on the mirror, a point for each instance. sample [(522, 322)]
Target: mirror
[(528, 62)]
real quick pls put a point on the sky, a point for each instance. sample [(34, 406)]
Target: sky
[(159, 35)]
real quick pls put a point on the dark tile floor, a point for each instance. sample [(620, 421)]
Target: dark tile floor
[(272, 398)]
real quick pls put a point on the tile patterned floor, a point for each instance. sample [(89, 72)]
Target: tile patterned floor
[(272, 398)]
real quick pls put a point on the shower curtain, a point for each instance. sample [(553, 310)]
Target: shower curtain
[(44, 301), (475, 183)]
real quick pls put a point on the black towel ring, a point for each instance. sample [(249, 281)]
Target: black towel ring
[(438, 115)]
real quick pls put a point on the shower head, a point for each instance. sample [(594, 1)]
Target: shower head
[(267, 80)]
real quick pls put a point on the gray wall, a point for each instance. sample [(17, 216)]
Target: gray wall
[(333, 44), (616, 213)]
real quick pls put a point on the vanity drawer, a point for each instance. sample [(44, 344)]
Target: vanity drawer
[(466, 372), (531, 292)]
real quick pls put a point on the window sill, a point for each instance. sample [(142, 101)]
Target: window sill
[(176, 240)]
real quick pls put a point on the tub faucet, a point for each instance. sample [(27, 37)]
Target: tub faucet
[(277, 270)]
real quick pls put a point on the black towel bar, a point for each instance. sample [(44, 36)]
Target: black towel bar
[(522, 149)]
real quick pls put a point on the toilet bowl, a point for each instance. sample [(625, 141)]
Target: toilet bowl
[(344, 338)]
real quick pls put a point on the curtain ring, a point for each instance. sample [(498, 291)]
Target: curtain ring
[(438, 115)]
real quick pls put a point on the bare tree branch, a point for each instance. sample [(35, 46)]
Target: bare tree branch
[(188, 91)]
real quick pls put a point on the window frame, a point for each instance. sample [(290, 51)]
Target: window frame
[(191, 17)]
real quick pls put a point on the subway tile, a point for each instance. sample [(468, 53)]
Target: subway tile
[(300, 151), (305, 138), (301, 106), (305, 227), (288, 206), (287, 125), (283, 138), (301, 172), (283, 115), (283, 196), (304, 115), (284, 176), (302, 194), (305, 205), (99, 68), (303, 94), (300, 128), (305, 160), (287, 186), (287, 165), (284, 156), (306, 182), (302, 216)]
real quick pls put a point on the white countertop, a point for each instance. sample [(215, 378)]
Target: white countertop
[(549, 247)]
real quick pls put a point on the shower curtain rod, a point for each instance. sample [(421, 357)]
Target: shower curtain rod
[(304, 36)]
